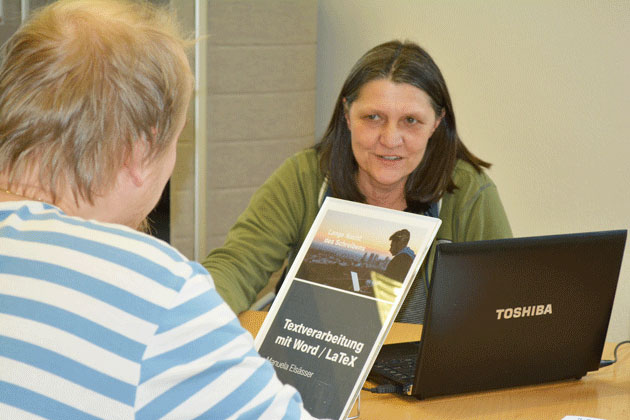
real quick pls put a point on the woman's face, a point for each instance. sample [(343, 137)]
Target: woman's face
[(390, 125)]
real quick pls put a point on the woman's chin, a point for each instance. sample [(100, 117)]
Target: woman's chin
[(388, 181)]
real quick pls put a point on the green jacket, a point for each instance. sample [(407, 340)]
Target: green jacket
[(281, 212)]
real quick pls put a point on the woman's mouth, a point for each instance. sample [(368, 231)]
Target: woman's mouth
[(389, 157)]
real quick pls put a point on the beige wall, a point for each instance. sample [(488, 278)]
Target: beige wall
[(261, 90), (540, 89), (259, 100)]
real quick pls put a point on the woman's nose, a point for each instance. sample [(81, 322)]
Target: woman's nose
[(391, 135)]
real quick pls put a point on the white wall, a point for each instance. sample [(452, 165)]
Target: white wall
[(540, 89)]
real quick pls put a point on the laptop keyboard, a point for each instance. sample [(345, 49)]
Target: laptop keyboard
[(401, 370)]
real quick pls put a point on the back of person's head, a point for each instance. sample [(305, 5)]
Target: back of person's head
[(81, 82), (408, 63)]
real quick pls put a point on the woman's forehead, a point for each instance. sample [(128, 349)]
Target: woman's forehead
[(386, 93)]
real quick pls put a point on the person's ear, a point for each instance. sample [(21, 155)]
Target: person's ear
[(438, 121), (136, 164), (346, 113)]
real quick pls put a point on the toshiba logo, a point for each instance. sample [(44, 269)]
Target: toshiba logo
[(523, 311)]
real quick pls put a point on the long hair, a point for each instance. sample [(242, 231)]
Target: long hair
[(81, 83), (400, 62)]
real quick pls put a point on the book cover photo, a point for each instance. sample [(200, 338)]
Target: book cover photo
[(339, 299)]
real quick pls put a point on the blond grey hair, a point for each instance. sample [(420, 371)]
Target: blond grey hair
[(82, 82)]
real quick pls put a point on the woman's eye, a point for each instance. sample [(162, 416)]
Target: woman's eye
[(410, 120), (372, 117)]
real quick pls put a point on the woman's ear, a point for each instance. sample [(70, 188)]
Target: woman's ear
[(346, 112), (438, 121)]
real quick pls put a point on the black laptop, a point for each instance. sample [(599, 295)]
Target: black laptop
[(509, 312)]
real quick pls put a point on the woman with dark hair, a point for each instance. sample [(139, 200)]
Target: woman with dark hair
[(391, 142)]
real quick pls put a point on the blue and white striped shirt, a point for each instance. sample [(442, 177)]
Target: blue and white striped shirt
[(100, 321)]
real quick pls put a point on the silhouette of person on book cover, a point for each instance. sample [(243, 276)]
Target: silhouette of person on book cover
[(398, 266)]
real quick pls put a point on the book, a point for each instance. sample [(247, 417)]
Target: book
[(339, 299)]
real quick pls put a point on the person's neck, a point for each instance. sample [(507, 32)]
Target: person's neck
[(102, 207), (8, 195), (29, 190), (65, 202), (23, 192), (388, 197), (387, 202)]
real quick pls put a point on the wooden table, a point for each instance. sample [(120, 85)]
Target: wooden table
[(604, 394)]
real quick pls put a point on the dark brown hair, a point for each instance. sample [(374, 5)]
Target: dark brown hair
[(400, 62)]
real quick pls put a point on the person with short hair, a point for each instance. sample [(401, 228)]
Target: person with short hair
[(398, 267), (392, 142), (99, 320)]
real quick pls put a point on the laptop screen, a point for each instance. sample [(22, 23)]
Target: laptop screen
[(517, 311)]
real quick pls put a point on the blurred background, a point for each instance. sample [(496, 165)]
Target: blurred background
[(540, 89)]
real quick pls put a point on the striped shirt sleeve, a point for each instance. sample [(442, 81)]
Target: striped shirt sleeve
[(202, 364), (100, 321)]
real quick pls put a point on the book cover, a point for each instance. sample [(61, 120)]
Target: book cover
[(339, 300)]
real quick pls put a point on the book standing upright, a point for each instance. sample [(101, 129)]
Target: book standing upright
[(336, 304)]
